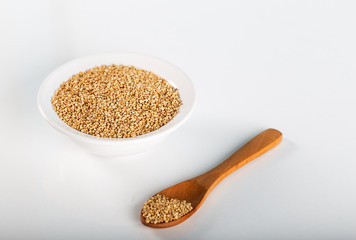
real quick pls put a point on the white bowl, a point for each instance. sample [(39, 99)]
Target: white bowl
[(121, 147)]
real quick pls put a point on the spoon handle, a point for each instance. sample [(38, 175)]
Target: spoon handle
[(257, 146)]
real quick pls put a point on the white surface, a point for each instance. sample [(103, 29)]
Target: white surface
[(109, 147), (290, 65)]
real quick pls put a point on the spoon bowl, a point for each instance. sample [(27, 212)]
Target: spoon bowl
[(196, 190), (182, 191)]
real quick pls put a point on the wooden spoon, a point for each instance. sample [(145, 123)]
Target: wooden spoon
[(197, 189)]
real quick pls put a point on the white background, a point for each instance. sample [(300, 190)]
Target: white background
[(290, 65)]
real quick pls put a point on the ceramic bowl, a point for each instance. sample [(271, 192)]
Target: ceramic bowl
[(117, 147)]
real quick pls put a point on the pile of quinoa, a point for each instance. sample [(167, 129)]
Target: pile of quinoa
[(116, 101), (159, 209)]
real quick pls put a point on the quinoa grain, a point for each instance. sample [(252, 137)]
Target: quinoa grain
[(159, 209), (116, 101)]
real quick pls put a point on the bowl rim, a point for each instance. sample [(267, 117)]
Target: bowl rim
[(66, 129)]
